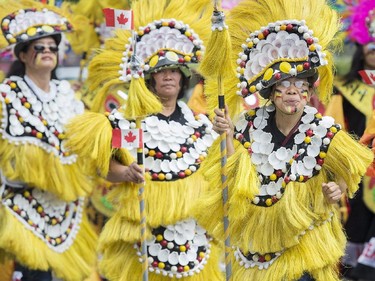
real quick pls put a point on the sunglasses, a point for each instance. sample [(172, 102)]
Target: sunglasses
[(298, 84), (41, 48)]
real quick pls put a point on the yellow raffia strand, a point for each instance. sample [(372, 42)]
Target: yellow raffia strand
[(141, 102), (85, 140), (217, 59)]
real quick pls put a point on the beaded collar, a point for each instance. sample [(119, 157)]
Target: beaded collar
[(276, 167), (28, 119), (173, 150)]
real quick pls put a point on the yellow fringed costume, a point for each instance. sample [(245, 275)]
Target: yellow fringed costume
[(174, 148), (281, 225), (42, 221)]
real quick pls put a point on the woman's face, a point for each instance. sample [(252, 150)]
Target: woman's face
[(41, 54), (369, 54), (291, 95), (167, 83)]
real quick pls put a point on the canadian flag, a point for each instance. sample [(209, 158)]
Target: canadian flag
[(130, 138), (119, 18), (368, 76)]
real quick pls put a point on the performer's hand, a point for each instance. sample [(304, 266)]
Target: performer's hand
[(332, 192), (222, 122), (121, 173), (133, 173), (368, 139)]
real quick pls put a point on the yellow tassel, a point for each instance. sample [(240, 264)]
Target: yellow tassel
[(217, 59), (141, 102), (86, 142), (351, 163)]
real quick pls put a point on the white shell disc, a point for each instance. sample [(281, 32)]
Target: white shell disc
[(163, 255), (183, 259), (173, 258), (154, 249)]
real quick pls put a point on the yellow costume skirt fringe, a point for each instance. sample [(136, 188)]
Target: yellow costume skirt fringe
[(121, 263), (166, 203), (25, 162), (302, 224), (75, 264), (317, 252)]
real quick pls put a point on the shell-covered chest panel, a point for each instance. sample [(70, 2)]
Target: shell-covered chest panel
[(28, 119), (173, 149), (277, 166)]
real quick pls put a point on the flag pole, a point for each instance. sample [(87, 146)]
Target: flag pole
[(141, 103), (220, 40), (217, 64), (135, 65), (142, 209)]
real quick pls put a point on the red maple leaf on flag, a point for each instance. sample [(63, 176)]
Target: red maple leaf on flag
[(372, 76), (130, 137), (122, 19)]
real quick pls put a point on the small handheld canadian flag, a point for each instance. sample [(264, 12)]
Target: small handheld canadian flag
[(119, 18), (130, 138), (368, 76)]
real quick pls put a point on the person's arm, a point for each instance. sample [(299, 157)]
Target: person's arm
[(333, 191), (121, 173), (222, 123)]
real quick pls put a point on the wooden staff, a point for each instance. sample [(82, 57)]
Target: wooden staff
[(142, 209)]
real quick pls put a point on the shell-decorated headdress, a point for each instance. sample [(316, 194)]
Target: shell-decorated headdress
[(23, 21), (275, 52), (361, 16), (273, 40), (167, 34), (164, 43), (26, 20)]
